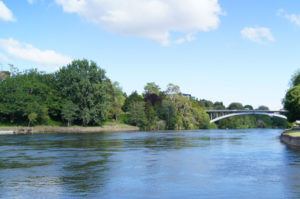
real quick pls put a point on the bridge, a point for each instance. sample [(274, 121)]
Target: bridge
[(217, 115)]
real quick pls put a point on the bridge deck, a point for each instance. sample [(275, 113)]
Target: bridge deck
[(245, 111)]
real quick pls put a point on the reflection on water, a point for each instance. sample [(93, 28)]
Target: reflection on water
[(191, 164)]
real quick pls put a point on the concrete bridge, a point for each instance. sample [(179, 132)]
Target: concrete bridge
[(217, 115)]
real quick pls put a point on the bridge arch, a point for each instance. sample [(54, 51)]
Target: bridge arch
[(248, 113)]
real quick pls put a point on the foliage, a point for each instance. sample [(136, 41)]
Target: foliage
[(32, 117), (136, 114), (117, 99), (292, 103), (236, 106), (85, 84), (30, 92), (132, 98), (295, 80), (263, 108), (248, 107), (151, 88), (80, 93), (69, 112)]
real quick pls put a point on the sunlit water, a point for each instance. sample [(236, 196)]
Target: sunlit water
[(185, 165)]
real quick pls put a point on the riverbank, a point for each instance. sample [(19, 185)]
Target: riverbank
[(291, 137), (73, 129)]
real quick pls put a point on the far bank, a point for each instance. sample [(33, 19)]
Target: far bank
[(56, 129)]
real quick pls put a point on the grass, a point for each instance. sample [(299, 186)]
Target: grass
[(294, 133), (113, 123), (109, 123)]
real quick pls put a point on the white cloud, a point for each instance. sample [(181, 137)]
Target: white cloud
[(188, 38), (293, 18), (24, 51), (258, 34), (31, 1), (5, 13), (151, 19)]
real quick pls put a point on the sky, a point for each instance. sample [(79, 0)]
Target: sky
[(221, 50)]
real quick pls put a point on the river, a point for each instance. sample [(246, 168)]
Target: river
[(141, 165)]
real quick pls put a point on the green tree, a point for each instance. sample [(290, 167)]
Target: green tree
[(86, 85), (118, 100), (136, 114), (292, 103), (263, 108), (236, 106), (206, 104), (32, 117), (249, 107), (69, 112), (132, 98), (295, 80), (151, 88), (28, 92), (219, 106), (168, 113)]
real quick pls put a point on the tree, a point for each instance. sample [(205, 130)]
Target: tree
[(172, 89), (153, 98), (150, 115), (137, 115), (32, 117), (168, 113), (85, 84), (69, 112), (235, 106), (26, 93), (151, 88), (132, 98), (295, 80), (219, 106), (206, 104), (263, 108), (292, 103), (249, 107), (118, 100)]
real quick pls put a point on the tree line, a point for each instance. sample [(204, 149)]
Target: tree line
[(81, 94), (292, 99)]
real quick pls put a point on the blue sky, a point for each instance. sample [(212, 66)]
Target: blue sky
[(221, 50)]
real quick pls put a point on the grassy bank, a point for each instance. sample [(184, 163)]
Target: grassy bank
[(106, 127), (293, 132)]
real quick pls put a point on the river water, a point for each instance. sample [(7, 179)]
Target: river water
[(140, 165)]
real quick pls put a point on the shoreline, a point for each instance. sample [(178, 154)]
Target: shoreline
[(290, 139), (56, 129)]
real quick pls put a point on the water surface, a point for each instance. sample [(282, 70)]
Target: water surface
[(140, 165)]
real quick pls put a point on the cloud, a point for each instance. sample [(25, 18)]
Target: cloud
[(188, 38), (31, 1), (258, 34), (150, 19), (293, 18), (5, 13), (24, 51)]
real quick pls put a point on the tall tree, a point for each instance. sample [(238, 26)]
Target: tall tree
[(118, 100), (132, 98), (151, 88), (263, 108), (235, 106), (69, 112), (292, 103), (84, 84), (136, 114)]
